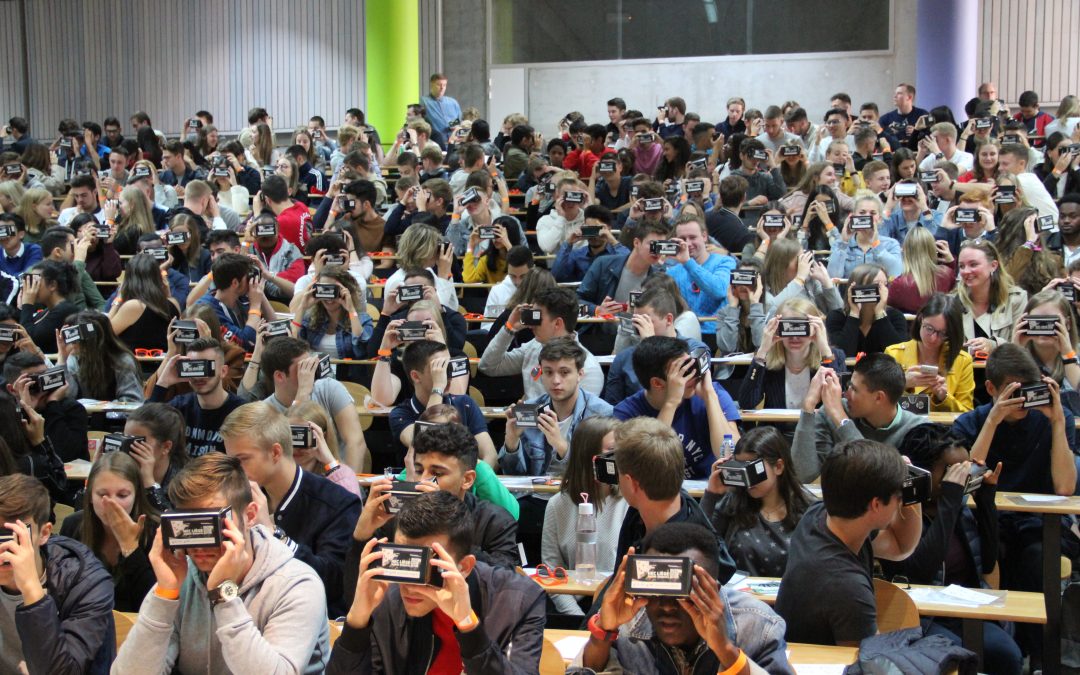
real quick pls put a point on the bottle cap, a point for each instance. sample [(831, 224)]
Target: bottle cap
[(585, 508)]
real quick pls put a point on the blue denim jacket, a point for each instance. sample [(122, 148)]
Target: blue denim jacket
[(349, 346), (751, 626), (535, 455)]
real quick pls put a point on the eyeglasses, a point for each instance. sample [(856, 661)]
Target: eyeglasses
[(930, 331), (547, 576), (149, 353)]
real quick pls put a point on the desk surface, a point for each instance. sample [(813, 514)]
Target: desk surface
[(798, 653)]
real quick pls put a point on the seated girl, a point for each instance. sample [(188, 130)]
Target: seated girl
[(100, 366), (322, 457), (935, 362), (866, 327)]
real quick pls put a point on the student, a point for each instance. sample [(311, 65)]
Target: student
[(239, 301), (427, 364), (559, 313), (907, 213), (959, 545), (244, 606), (289, 376), (293, 218), (161, 453), (649, 461), (867, 409), (66, 421), (120, 527), (955, 235), (44, 304), (558, 547), (406, 628), (757, 523), (278, 260), (700, 411), (788, 272), (611, 278), (60, 244), (827, 593), (208, 404), (543, 449), (99, 365), (741, 324), (322, 457), (992, 303), (870, 326), (341, 243), (60, 597), (1051, 352), (577, 254), (451, 322), (783, 367), (715, 630), (308, 513), (519, 260), (486, 261), (1030, 262), (723, 222), (653, 314), (702, 276), (929, 267), (937, 340), (421, 247), (1034, 445), (142, 317), (340, 326), (17, 256), (444, 458), (851, 248)]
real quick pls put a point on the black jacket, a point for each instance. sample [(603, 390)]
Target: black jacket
[(66, 425), (727, 228), (133, 577), (494, 540), (509, 640), (979, 534), (845, 334), (71, 629), (761, 383), (318, 516), (43, 463)]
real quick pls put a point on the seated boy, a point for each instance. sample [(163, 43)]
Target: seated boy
[(827, 592), (481, 619), (57, 597), (700, 411), (714, 629), (245, 606)]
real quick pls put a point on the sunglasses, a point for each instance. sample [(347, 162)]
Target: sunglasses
[(547, 576)]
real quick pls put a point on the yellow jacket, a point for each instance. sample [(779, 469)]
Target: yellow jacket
[(960, 382), (475, 270)]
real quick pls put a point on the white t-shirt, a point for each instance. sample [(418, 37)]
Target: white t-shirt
[(796, 385), (447, 292), (1036, 196), (963, 161), (496, 301), (68, 214)]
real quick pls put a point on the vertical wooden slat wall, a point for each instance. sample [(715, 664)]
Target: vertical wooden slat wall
[(1030, 44), (11, 74), (94, 58)]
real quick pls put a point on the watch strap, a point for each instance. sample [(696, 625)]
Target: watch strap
[(599, 633)]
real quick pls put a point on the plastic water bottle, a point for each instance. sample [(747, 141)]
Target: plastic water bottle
[(585, 552), (728, 448)]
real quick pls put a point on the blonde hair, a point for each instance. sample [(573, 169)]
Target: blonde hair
[(418, 245), (346, 134), (311, 411), (979, 195), (867, 196), (13, 191), (1069, 107), (262, 149), (1055, 298), (1000, 280), (261, 423), (27, 208), (436, 313), (294, 173), (776, 357), (919, 257), (139, 214), (779, 256)]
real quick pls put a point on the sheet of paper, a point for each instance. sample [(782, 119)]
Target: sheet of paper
[(774, 411), (1043, 498), (736, 579), (968, 595), (569, 647), (940, 596)]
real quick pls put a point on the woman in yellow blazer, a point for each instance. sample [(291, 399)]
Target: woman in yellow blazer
[(935, 362), (485, 258)]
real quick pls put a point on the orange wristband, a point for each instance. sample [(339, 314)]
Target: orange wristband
[(254, 312), (1070, 355), (385, 352), (167, 594)]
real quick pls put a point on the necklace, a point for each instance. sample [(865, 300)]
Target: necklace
[(774, 515)]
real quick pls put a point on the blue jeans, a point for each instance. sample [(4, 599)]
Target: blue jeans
[(1001, 654)]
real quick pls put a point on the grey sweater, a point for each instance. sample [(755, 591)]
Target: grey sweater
[(497, 361), (816, 436), (277, 624)]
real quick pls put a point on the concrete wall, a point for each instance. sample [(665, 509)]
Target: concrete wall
[(464, 51)]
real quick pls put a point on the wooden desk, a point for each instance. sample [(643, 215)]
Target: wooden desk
[(798, 653)]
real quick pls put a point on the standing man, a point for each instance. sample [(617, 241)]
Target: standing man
[(901, 122), (441, 109)]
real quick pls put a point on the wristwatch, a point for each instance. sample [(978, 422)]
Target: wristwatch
[(435, 391), (226, 591)]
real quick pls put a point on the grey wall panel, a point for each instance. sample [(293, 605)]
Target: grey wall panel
[(464, 37), (11, 73), (1031, 44), (93, 58)]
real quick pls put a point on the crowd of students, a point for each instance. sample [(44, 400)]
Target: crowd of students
[(799, 245)]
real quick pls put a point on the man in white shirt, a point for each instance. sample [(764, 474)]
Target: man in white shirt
[(519, 260), (939, 145), (1013, 159), (774, 135), (799, 124), (84, 192), (835, 129)]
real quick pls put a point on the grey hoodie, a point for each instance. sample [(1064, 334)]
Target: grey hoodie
[(277, 625)]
